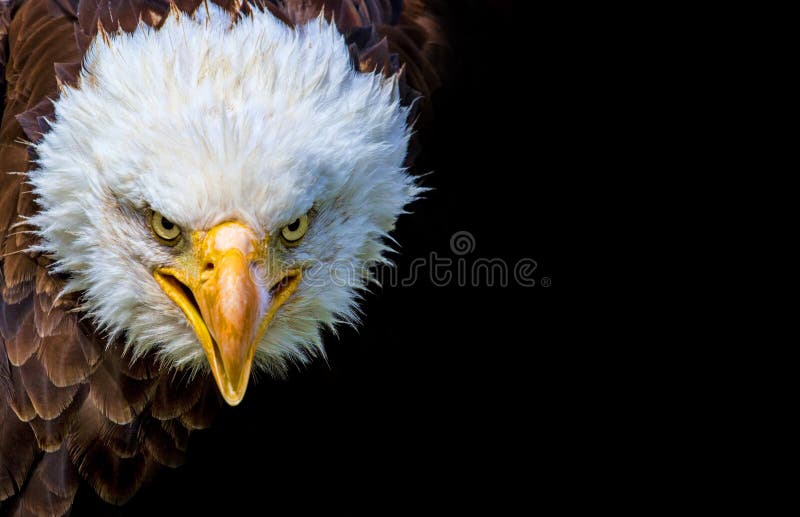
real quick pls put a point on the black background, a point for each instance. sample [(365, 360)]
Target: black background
[(445, 393)]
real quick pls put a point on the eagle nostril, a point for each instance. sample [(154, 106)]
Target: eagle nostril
[(207, 272)]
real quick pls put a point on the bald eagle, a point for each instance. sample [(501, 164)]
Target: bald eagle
[(190, 192)]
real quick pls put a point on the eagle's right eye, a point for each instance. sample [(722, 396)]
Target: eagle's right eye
[(164, 230)]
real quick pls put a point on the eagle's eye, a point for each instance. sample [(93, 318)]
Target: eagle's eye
[(292, 233), (164, 230)]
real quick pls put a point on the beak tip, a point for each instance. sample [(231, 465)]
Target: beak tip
[(233, 398), (232, 392), (233, 402)]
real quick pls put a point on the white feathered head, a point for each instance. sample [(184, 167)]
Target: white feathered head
[(215, 189)]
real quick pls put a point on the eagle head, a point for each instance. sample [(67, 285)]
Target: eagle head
[(215, 189)]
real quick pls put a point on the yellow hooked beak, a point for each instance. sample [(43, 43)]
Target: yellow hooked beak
[(228, 308)]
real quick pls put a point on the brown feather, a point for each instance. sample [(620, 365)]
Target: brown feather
[(17, 293), (6, 388), (114, 479), (179, 434), (203, 413), (18, 400), (34, 120), (106, 395), (375, 58), (160, 445), (38, 499), (94, 446), (279, 13), (51, 487), (300, 11), (50, 434), (90, 343), (47, 284), (116, 395), (348, 15), (421, 75), (20, 511), (13, 315), (82, 39), (48, 400), (63, 8), (123, 440), (377, 12), (23, 236), (50, 320), (174, 397), (17, 452), (142, 369), (63, 358), (86, 429), (21, 346), (8, 198), (59, 474)]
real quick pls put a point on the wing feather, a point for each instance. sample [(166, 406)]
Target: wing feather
[(19, 272), (61, 352), (48, 400), (114, 477), (50, 434), (18, 399), (174, 397), (17, 452), (21, 345), (118, 397), (202, 414), (38, 498), (160, 446), (59, 474)]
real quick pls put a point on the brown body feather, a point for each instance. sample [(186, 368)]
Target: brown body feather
[(73, 409)]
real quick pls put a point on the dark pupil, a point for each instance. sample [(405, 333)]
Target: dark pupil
[(294, 226), (167, 224)]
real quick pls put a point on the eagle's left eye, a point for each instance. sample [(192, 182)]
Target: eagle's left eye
[(293, 232), (164, 230)]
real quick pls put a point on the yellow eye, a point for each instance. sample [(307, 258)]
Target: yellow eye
[(293, 232), (164, 230)]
